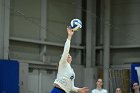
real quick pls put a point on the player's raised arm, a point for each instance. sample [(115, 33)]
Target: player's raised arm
[(66, 46)]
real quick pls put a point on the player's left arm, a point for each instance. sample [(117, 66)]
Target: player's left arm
[(75, 89), (79, 90)]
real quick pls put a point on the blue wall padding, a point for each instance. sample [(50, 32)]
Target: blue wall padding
[(9, 76)]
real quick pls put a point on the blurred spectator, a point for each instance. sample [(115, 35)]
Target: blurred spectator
[(135, 88), (99, 88), (118, 90)]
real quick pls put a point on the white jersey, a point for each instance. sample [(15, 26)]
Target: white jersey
[(99, 91), (65, 76)]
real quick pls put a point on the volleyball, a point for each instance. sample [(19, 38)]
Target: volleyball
[(76, 24)]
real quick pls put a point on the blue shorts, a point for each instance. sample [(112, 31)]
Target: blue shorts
[(57, 90)]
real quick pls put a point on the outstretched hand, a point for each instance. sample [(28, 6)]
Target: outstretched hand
[(83, 90), (70, 32)]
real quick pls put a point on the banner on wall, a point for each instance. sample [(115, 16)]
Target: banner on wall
[(135, 72)]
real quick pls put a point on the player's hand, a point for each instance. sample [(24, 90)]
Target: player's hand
[(70, 31), (83, 90)]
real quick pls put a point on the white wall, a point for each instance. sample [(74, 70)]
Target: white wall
[(125, 25), (1, 28)]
